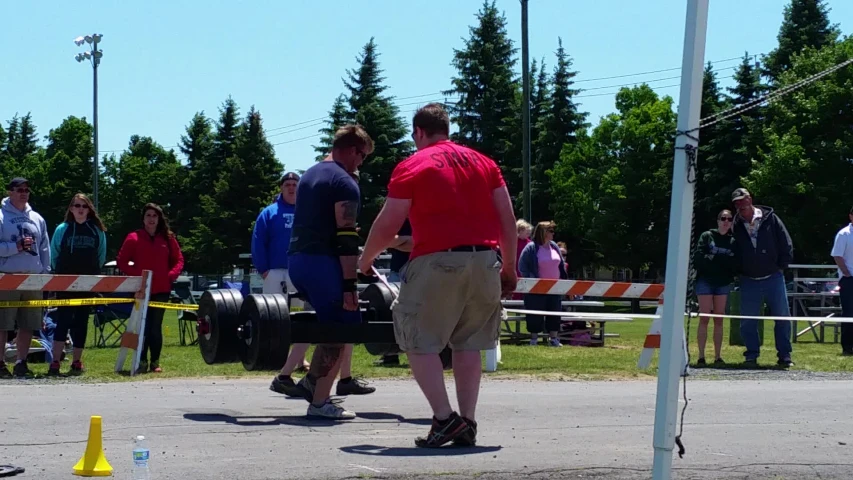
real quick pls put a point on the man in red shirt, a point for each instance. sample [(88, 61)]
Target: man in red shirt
[(460, 211)]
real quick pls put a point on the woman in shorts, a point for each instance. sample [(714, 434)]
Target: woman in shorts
[(715, 267)]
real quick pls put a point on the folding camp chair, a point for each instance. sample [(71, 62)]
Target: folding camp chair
[(111, 321)]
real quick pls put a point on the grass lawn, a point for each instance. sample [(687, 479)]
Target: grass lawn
[(616, 360)]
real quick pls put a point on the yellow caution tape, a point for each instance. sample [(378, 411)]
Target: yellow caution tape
[(66, 302), (79, 302), (173, 306)]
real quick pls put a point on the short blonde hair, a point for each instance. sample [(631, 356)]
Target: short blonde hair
[(353, 135), (522, 225)]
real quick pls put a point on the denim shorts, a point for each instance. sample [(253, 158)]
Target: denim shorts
[(705, 288)]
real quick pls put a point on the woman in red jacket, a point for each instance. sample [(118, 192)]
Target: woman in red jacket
[(155, 248)]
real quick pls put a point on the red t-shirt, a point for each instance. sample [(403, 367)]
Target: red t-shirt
[(450, 187)]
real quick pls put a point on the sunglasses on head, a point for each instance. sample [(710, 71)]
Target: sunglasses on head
[(725, 219)]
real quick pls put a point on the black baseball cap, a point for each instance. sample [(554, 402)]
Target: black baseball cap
[(289, 176), (17, 182), (740, 194)]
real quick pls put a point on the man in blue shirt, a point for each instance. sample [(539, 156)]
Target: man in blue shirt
[(324, 249)]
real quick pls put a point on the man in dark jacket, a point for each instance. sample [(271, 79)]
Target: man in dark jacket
[(764, 250)]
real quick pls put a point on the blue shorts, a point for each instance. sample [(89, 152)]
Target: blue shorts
[(705, 288), (319, 279)]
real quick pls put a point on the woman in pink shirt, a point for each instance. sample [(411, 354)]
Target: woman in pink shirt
[(541, 258)]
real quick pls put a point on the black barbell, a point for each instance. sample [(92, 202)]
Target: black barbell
[(259, 329)]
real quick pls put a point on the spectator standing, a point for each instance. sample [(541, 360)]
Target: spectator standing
[(541, 258), (524, 230), (764, 249), (79, 247), (714, 261), (153, 247), (842, 253), (270, 242), (24, 248)]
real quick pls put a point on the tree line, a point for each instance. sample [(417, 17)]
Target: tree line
[(606, 185)]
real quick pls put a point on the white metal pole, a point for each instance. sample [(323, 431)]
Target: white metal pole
[(678, 245)]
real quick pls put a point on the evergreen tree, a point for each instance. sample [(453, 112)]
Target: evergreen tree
[(208, 244), (244, 186), (805, 24), (376, 112), (251, 185), (22, 139), (338, 117), (561, 124), (197, 145), (487, 110), (713, 173)]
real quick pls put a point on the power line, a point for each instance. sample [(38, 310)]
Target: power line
[(657, 71), (320, 120)]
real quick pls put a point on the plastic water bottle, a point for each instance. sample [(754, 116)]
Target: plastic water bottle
[(141, 454)]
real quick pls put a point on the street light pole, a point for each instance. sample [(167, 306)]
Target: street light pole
[(94, 56), (525, 122)]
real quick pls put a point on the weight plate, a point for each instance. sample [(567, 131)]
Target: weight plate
[(379, 299), (218, 312), (270, 326), (251, 346), (278, 355)]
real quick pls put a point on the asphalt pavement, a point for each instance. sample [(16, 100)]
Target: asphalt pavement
[(238, 429)]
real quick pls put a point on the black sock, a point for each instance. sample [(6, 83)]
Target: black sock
[(345, 380)]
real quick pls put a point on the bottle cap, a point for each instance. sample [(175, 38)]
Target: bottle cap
[(140, 437)]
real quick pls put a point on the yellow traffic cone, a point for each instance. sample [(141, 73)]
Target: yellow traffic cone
[(94, 463)]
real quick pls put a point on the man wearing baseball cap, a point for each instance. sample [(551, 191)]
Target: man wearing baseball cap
[(270, 240), (764, 250), (24, 248)]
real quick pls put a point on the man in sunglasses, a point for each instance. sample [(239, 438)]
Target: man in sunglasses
[(764, 250), (24, 248), (322, 258)]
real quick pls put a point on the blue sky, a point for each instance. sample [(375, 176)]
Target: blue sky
[(165, 60)]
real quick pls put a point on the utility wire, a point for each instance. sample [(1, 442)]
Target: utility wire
[(320, 120)]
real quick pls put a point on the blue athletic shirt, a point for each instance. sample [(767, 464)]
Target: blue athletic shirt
[(271, 236), (314, 225)]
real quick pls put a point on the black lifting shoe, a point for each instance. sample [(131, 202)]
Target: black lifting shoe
[(353, 386), (284, 384)]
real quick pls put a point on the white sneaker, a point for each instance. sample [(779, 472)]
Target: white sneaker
[(330, 410)]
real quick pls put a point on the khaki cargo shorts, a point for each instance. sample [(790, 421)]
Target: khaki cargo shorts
[(25, 318), (449, 298)]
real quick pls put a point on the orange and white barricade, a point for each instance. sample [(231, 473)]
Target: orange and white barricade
[(132, 337), (652, 342), (576, 287)]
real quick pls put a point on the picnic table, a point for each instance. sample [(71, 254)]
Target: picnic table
[(511, 326)]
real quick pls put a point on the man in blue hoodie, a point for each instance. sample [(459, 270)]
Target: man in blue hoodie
[(270, 241), (764, 250), (24, 248)]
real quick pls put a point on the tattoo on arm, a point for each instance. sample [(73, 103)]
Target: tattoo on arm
[(324, 359), (345, 213), (345, 216)]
